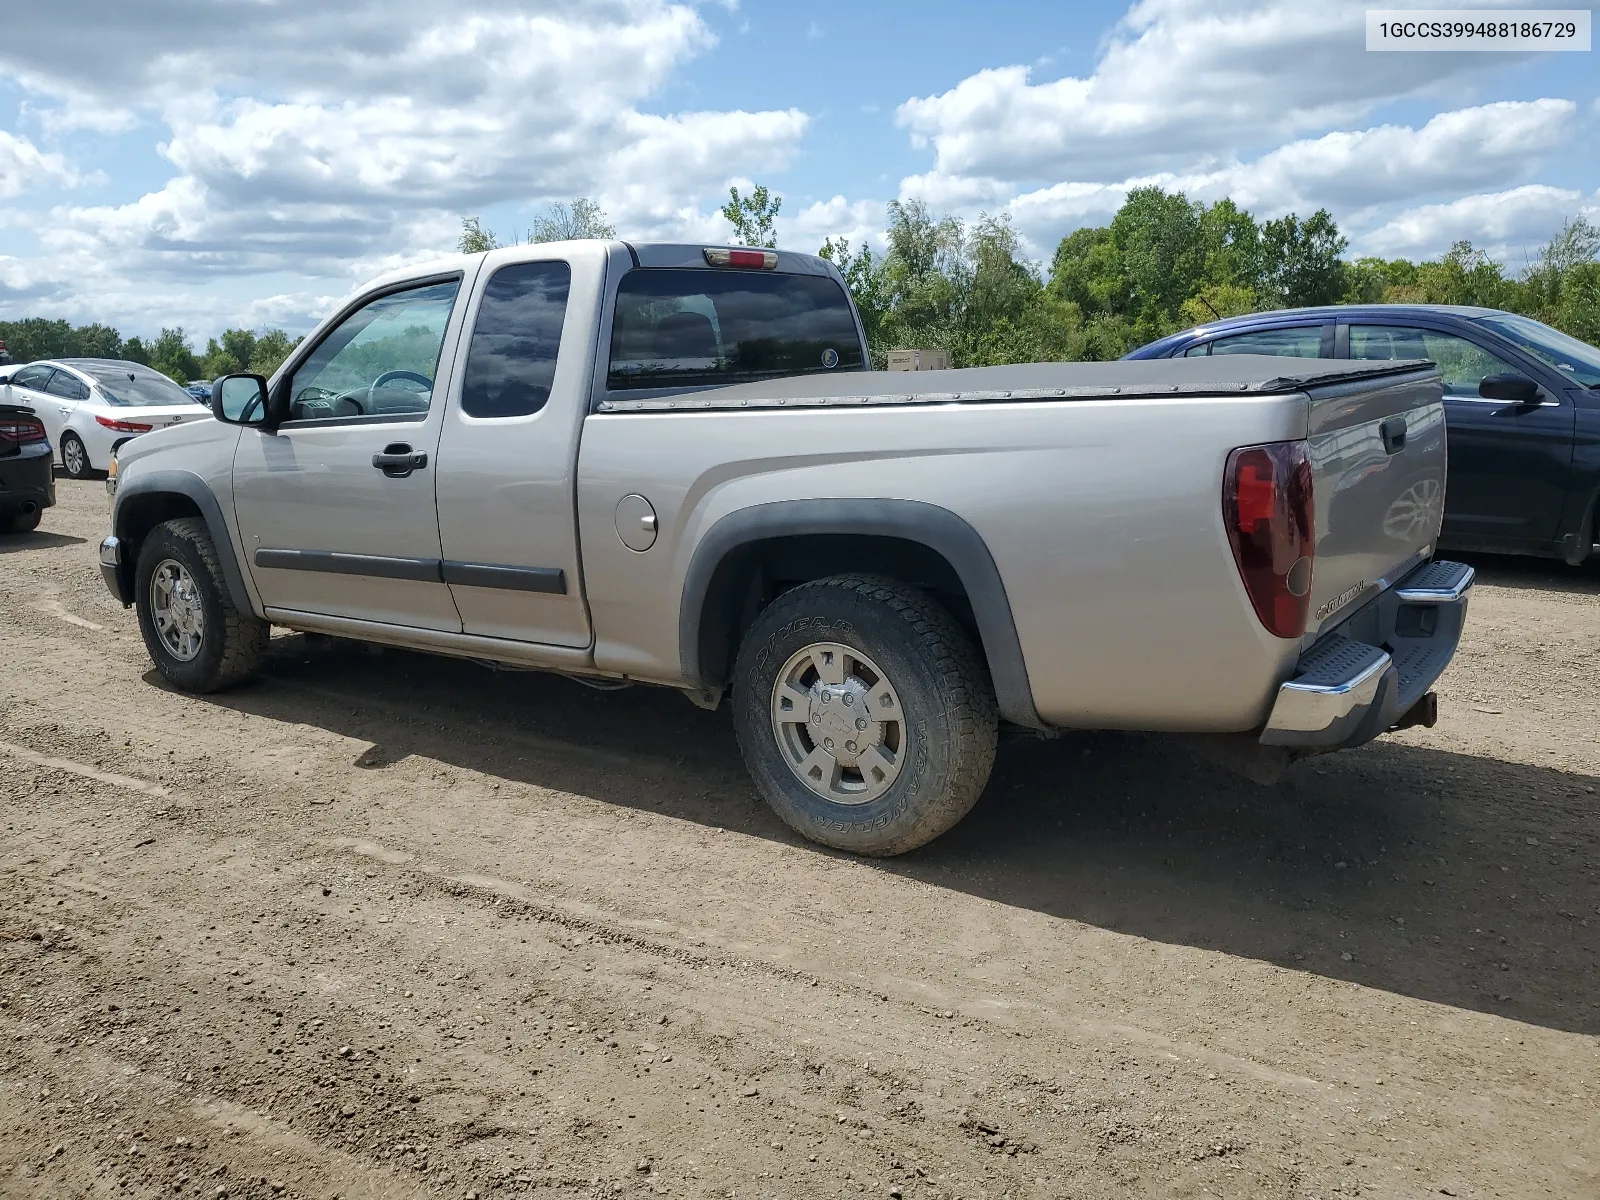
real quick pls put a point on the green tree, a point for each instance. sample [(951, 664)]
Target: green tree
[(475, 239), (582, 219), (271, 348), (1216, 301), (752, 216), (863, 276), (1466, 275), (1087, 271), (1157, 237), (171, 354), (134, 350), (1300, 262)]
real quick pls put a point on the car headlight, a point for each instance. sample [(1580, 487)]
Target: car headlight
[(111, 476)]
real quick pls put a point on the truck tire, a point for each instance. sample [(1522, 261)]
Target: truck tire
[(197, 638), (864, 714)]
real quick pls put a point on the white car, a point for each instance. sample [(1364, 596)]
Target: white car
[(91, 406)]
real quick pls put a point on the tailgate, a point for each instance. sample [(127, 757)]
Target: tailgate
[(1378, 468)]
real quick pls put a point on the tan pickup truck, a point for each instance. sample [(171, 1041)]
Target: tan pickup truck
[(672, 465)]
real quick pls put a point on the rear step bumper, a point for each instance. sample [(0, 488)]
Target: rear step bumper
[(1363, 678)]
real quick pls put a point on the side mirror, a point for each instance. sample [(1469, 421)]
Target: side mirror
[(1514, 389), (240, 399)]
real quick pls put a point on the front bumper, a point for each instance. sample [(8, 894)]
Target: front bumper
[(111, 569), (1364, 677)]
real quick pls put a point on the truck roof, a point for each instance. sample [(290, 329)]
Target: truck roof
[(648, 255)]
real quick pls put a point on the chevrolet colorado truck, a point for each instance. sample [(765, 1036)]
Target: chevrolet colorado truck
[(673, 465)]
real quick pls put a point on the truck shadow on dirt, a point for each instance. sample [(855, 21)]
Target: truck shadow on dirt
[(1461, 880)]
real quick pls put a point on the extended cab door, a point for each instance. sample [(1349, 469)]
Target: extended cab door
[(508, 452), (336, 505)]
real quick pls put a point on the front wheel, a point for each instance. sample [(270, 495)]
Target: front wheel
[(864, 714), (197, 638), (74, 457)]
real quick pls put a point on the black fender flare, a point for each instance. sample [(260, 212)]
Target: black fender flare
[(190, 486), (929, 525)]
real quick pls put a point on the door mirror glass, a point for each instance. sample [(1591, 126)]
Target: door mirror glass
[(240, 399), (1510, 387)]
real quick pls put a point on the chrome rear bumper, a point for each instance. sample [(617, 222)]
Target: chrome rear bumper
[(1361, 679)]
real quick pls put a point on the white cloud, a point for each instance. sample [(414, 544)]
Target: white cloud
[(1180, 83), (861, 222), (1355, 170), (340, 136), (1355, 173), (26, 168), (1502, 223)]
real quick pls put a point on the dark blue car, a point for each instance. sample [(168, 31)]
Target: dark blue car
[(1522, 409)]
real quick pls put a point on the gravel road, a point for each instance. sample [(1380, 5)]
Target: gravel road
[(382, 925)]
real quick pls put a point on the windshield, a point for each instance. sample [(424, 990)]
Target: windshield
[(135, 388), (1574, 359)]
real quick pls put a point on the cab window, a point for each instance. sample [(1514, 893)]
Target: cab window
[(1463, 363), (695, 328), (380, 361), (511, 362)]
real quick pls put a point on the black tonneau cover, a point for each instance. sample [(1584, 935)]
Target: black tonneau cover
[(1221, 375)]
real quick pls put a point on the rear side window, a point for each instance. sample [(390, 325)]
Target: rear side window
[(68, 387), (696, 328), (512, 359), (1304, 341)]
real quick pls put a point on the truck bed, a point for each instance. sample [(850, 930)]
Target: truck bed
[(1096, 487)]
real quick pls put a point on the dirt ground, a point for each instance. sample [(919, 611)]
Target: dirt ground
[(393, 926)]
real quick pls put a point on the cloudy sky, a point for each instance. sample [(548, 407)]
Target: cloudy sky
[(220, 162)]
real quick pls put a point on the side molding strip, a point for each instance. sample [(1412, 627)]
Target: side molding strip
[(423, 570), (517, 579), (550, 580)]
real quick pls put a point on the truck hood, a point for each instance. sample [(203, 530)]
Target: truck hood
[(203, 430)]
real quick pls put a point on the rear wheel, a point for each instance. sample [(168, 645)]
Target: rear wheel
[(197, 638), (74, 457), (25, 522), (864, 714)]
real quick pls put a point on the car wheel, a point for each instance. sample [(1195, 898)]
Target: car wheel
[(864, 714), (25, 522), (197, 638), (74, 457)]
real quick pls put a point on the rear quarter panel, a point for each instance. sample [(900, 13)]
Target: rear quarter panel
[(1103, 517)]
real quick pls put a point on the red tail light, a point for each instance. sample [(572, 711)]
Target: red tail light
[(123, 426), (21, 431), (1266, 505)]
